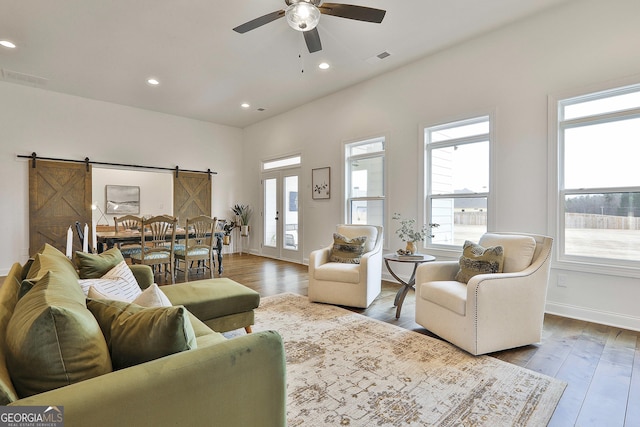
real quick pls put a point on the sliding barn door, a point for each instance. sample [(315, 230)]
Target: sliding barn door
[(59, 195), (191, 195)]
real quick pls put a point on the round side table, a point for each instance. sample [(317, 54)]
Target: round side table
[(416, 260)]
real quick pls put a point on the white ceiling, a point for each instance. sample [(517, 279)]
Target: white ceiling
[(106, 50)]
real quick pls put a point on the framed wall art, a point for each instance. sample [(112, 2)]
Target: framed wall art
[(123, 199), (321, 183)]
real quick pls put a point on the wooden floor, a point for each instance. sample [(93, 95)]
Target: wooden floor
[(601, 364)]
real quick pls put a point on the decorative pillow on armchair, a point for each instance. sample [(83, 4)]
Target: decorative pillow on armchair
[(478, 260), (346, 250)]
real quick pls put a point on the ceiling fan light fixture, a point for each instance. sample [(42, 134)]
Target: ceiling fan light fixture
[(302, 16)]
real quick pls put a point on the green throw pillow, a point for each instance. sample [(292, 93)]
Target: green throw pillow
[(52, 339), (138, 334), (8, 300), (94, 266), (478, 260), (346, 250)]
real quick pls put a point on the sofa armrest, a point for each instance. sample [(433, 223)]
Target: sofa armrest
[(238, 382), (143, 275)]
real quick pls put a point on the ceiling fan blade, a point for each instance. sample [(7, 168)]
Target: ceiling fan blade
[(258, 22), (312, 37), (349, 11)]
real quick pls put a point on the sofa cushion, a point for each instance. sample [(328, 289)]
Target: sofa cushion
[(476, 260), (136, 334), (49, 258), (8, 300), (518, 249), (347, 250), (94, 266), (119, 283), (52, 339), (213, 298)]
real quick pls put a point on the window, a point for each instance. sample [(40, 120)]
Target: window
[(365, 182), (599, 178), (285, 162), (457, 180)]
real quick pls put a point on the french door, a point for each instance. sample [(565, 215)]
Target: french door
[(282, 225)]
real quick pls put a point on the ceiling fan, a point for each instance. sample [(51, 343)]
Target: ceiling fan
[(304, 15)]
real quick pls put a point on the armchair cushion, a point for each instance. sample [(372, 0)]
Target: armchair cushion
[(518, 249), (136, 334), (338, 272), (449, 294), (347, 250), (476, 259)]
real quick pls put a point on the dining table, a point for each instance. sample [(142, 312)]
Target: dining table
[(109, 239)]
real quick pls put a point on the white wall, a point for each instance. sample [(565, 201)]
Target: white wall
[(156, 190), (509, 73), (64, 126)]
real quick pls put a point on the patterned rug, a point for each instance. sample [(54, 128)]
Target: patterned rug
[(347, 369)]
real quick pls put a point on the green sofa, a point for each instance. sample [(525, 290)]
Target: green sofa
[(212, 381)]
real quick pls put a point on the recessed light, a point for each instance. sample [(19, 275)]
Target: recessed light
[(324, 66), (153, 82), (245, 105), (7, 43)]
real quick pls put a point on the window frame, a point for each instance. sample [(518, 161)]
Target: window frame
[(348, 199), (558, 192), (425, 157)]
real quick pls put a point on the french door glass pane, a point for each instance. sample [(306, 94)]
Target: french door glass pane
[(459, 219), (603, 225), (291, 212), (270, 213), (460, 169)]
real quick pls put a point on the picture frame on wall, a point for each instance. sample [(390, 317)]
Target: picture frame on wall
[(123, 199), (321, 183)]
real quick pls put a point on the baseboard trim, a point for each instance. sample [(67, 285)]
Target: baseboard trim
[(608, 318)]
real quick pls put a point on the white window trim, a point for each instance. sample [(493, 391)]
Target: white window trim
[(595, 265), (345, 180), (450, 251)]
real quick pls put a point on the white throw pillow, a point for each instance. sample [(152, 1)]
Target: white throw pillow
[(119, 283), (152, 297)]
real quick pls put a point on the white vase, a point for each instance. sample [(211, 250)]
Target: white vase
[(244, 230)]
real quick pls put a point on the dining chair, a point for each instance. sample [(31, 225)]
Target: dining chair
[(132, 223), (158, 238), (199, 240)]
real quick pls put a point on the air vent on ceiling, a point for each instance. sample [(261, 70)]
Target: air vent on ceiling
[(379, 57), (22, 78), (260, 109)]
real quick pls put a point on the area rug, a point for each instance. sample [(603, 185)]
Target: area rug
[(346, 369)]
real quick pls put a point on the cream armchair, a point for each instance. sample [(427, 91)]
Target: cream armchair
[(353, 285), (491, 312)]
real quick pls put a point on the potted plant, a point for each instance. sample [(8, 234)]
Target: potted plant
[(227, 228), (410, 234), (244, 213)]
